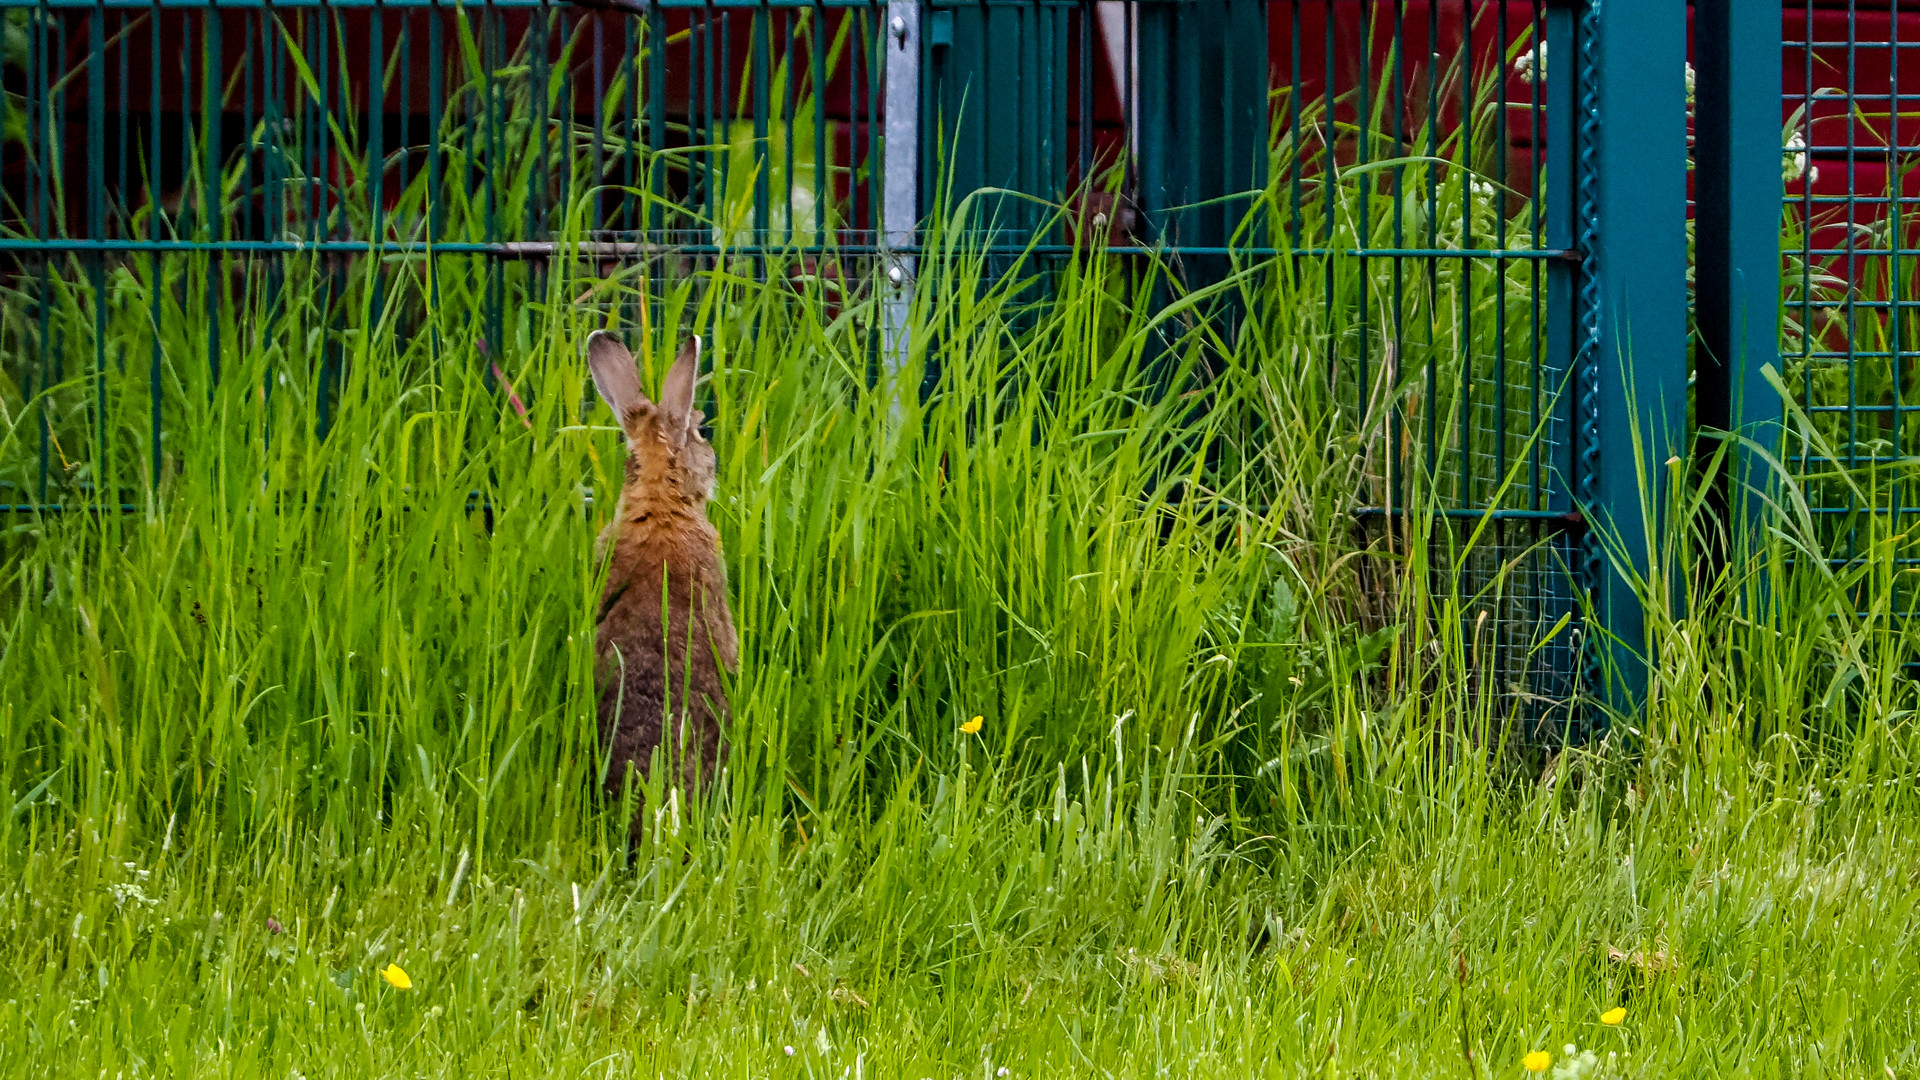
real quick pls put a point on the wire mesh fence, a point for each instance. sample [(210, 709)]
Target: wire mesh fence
[(1396, 155), (1852, 130), (256, 171), (184, 179)]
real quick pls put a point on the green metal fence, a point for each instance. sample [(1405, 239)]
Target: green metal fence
[(1852, 102), (220, 152), (1493, 193)]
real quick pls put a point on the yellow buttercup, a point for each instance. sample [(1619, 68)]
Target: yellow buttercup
[(396, 978)]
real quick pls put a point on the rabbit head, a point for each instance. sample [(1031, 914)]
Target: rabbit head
[(667, 460)]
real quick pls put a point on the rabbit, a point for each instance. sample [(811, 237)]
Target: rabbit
[(658, 663)]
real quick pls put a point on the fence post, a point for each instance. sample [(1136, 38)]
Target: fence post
[(1202, 119), (1738, 198), (899, 209), (1632, 383)]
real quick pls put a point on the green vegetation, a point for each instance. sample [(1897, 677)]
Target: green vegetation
[(320, 706), (308, 717)]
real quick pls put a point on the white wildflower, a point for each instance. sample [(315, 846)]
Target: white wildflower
[(1689, 85), (130, 893), (1794, 159), (1531, 64)]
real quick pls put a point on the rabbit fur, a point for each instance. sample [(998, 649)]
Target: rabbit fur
[(664, 629)]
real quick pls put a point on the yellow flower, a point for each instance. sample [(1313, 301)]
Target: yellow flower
[(1537, 1061), (972, 726), (396, 978), (1613, 1016)]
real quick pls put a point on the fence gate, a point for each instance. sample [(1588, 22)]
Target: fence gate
[(1496, 193)]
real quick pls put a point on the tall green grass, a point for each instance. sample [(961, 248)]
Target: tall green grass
[(322, 703), (1206, 827)]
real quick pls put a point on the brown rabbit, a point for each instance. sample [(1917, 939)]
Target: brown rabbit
[(659, 659)]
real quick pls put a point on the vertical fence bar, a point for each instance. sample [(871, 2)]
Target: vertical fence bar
[(1899, 249), (375, 154), (1552, 225), (1395, 419), (436, 130), (1432, 241), (403, 46), (899, 210), (313, 167), (1033, 100), (655, 25), (39, 159), (493, 57), (125, 114), (155, 283), (1635, 53), (713, 159), (326, 182), (788, 116), (103, 488), (210, 208), (1739, 194), (761, 33), (1897, 349), (565, 168), (817, 95), (1857, 538), (598, 218), (1501, 267), (1557, 216), (436, 197), (1539, 277), (627, 106), (875, 33), (271, 145)]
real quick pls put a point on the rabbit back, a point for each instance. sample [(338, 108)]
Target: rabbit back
[(664, 636)]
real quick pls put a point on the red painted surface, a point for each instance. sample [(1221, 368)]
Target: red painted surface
[(698, 41), (1876, 56)]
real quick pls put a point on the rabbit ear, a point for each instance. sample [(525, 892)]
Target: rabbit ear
[(676, 395), (614, 374)]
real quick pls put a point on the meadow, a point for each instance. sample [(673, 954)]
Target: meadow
[(298, 752)]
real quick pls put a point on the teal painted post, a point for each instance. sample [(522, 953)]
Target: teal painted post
[(993, 89), (1203, 117), (1202, 139), (1634, 396), (1738, 198)]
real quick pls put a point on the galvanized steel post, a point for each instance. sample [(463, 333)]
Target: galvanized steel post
[(1634, 409), (900, 198), (1738, 196)]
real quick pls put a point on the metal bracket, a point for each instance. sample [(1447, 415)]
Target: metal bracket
[(900, 196)]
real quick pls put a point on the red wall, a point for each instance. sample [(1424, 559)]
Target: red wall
[(1430, 26)]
